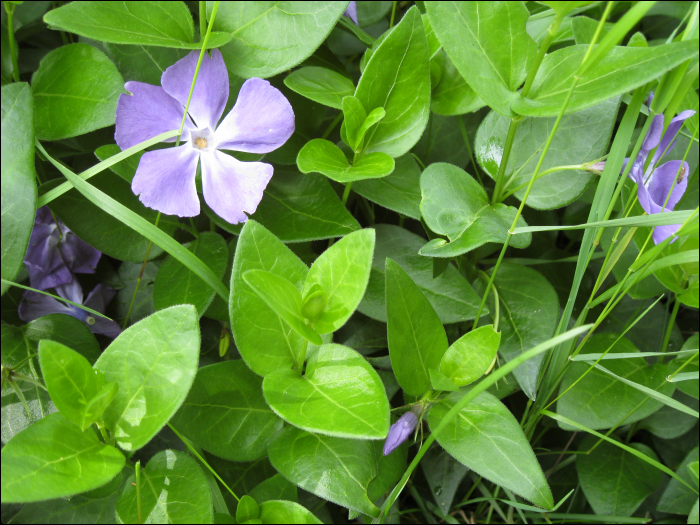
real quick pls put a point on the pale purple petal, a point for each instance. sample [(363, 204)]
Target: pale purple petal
[(231, 187), (147, 113), (261, 121), (351, 12), (71, 291), (78, 255), (399, 432), (210, 91), (34, 305), (673, 128), (165, 181), (100, 325), (672, 174), (643, 193), (654, 134), (661, 233)]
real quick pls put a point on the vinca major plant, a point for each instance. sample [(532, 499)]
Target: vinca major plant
[(332, 262)]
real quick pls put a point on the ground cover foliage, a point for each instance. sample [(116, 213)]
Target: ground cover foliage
[(438, 262)]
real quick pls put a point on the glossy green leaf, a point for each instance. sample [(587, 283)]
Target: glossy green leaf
[(468, 358), (286, 512), (667, 422), (322, 156), (76, 89), (283, 298), (176, 284), (354, 115), (271, 37), (53, 458), (389, 470), (581, 137), (589, 401), (452, 95), (274, 488), (126, 168), (71, 381), (450, 294), (173, 490), (18, 184), (225, 413), (335, 469), (688, 387), (374, 116), (142, 296), (167, 24), (154, 362), (342, 271), (417, 340), (247, 509), (444, 474), (340, 395), (440, 381), (78, 509), (678, 498), (487, 438), (614, 481), (455, 205), (399, 191), (66, 330), (325, 86), (143, 63), (629, 66), (488, 44), (443, 141), (397, 78)]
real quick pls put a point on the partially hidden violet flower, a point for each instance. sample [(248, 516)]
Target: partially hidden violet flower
[(351, 12), (35, 305), (261, 121), (55, 253), (660, 188), (399, 431)]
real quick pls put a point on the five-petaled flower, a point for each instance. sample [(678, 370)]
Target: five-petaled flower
[(35, 305), (55, 253), (660, 188), (261, 121), (399, 431)]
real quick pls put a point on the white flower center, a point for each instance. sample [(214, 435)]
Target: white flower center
[(203, 140)]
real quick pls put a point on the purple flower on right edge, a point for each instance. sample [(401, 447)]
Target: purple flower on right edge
[(660, 188)]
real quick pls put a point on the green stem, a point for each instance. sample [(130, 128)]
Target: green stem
[(671, 322), (10, 10), (202, 18), (510, 138), (138, 492), (465, 137), (302, 356), (544, 47), (332, 125), (393, 14), (346, 192)]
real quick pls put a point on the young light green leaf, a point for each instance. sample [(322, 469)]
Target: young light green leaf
[(246, 510), (322, 156), (286, 512), (440, 381), (53, 458), (354, 115), (374, 116), (340, 394), (321, 85), (468, 358)]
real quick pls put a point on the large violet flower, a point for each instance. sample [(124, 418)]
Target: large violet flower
[(35, 305), (261, 121), (660, 188), (399, 431), (55, 253)]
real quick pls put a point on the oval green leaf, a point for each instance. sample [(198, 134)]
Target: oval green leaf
[(321, 85), (322, 156), (468, 358)]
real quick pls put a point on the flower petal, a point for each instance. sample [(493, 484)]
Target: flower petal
[(351, 12), (165, 181), (399, 432), (654, 134), (71, 291), (100, 325), (150, 111), (261, 121), (643, 193), (673, 128), (78, 255), (99, 298), (661, 233), (44, 261), (210, 91), (663, 180), (231, 187), (34, 305)]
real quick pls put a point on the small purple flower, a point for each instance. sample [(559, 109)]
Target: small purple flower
[(55, 253), (660, 188), (35, 305), (351, 12), (399, 431), (261, 121)]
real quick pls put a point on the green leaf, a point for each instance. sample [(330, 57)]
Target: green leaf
[(455, 205), (322, 156), (678, 498), (444, 474), (321, 85), (173, 490), (529, 310), (417, 340), (271, 37), (488, 44), (247, 510), (452, 95), (18, 185), (397, 78), (614, 481), (154, 362), (630, 67), (581, 137), (126, 168), (79, 509), (373, 117), (389, 470), (487, 438), (335, 469), (286, 512), (588, 402), (176, 284), (71, 381), (53, 459), (468, 358), (76, 89), (274, 488), (342, 271), (450, 294), (283, 298), (145, 63), (399, 191), (440, 381), (167, 24), (354, 115), (687, 387), (66, 330), (225, 413), (340, 395)]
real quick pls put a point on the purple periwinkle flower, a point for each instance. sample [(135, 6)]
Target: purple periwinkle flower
[(351, 12), (399, 431), (660, 188), (35, 305), (261, 121), (55, 253)]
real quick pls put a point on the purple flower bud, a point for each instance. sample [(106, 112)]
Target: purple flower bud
[(399, 431)]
